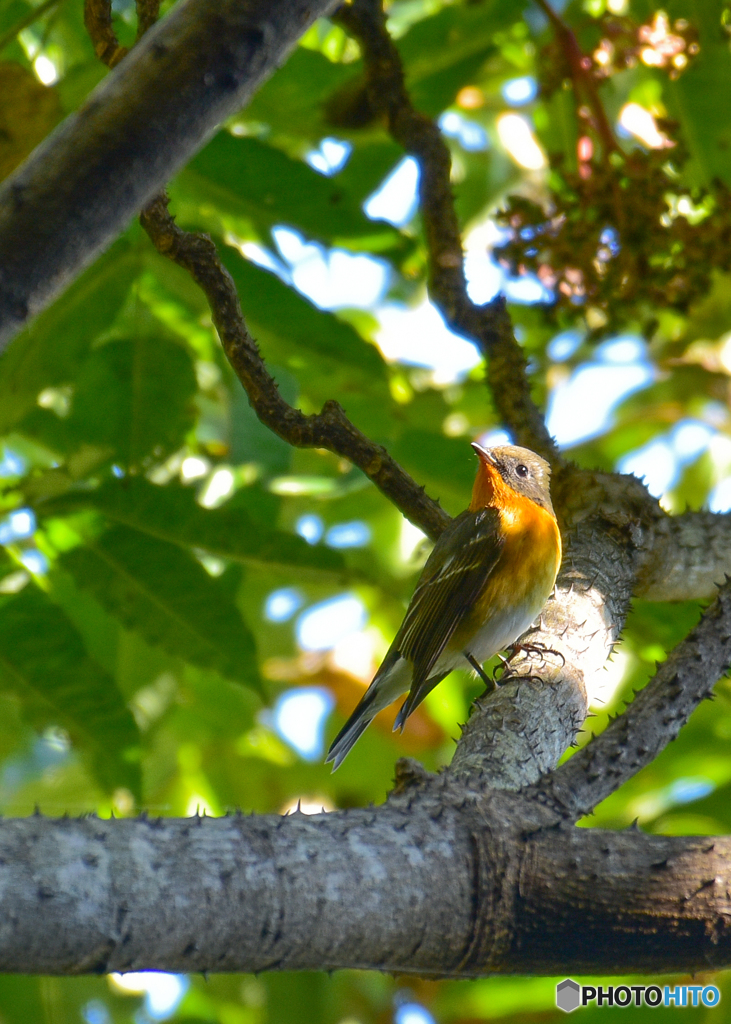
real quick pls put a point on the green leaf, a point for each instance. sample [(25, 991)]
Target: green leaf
[(172, 514), (693, 99), (249, 439), (435, 72), (445, 465), (246, 177), (49, 351), (169, 598), (440, 55), (368, 166), (42, 657), (292, 101), (135, 396)]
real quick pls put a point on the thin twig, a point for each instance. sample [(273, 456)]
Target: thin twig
[(489, 326), (655, 717), (148, 12), (330, 429), (98, 23), (581, 75)]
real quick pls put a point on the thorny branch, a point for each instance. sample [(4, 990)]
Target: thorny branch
[(489, 326), (330, 429), (633, 739), (357, 889)]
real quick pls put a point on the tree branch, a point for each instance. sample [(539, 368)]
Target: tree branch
[(330, 429), (488, 326), (685, 557), (98, 23), (580, 68), (654, 718), (356, 889), (79, 189)]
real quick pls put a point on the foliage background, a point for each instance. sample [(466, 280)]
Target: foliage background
[(149, 518)]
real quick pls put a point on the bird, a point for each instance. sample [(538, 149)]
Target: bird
[(487, 579)]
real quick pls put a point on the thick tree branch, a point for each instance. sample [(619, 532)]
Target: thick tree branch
[(654, 718), (685, 557), (357, 889), (330, 429), (80, 188), (488, 326)]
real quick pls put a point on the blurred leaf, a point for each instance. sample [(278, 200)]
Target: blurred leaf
[(172, 514), (444, 52), (49, 351), (135, 396), (487, 177), (43, 659), (696, 481), (440, 55), (28, 112), (164, 593), (20, 999), (246, 177), (445, 465), (292, 101), (693, 98), (289, 991), (250, 440)]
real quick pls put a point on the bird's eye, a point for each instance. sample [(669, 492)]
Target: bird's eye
[(521, 470)]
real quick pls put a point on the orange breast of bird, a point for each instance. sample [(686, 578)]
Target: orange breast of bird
[(525, 572)]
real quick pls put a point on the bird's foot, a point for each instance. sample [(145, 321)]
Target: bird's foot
[(530, 648)]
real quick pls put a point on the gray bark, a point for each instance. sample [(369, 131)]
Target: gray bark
[(81, 187), (433, 883), (686, 557), (656, 716)]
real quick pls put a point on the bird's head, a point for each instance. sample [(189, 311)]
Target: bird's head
[(517, 468)]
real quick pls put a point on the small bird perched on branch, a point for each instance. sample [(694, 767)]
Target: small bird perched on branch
[(489, 575)]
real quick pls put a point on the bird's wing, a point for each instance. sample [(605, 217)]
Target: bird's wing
[(454, 576)]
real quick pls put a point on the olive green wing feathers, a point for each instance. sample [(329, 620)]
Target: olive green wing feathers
[(454, 576)]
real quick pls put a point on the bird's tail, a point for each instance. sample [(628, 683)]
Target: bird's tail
[(352, 731), (391, 680)]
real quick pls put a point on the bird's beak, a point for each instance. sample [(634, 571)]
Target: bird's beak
[(483, 454)]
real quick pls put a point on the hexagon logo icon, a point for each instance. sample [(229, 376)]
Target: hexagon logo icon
[(568, 995)]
